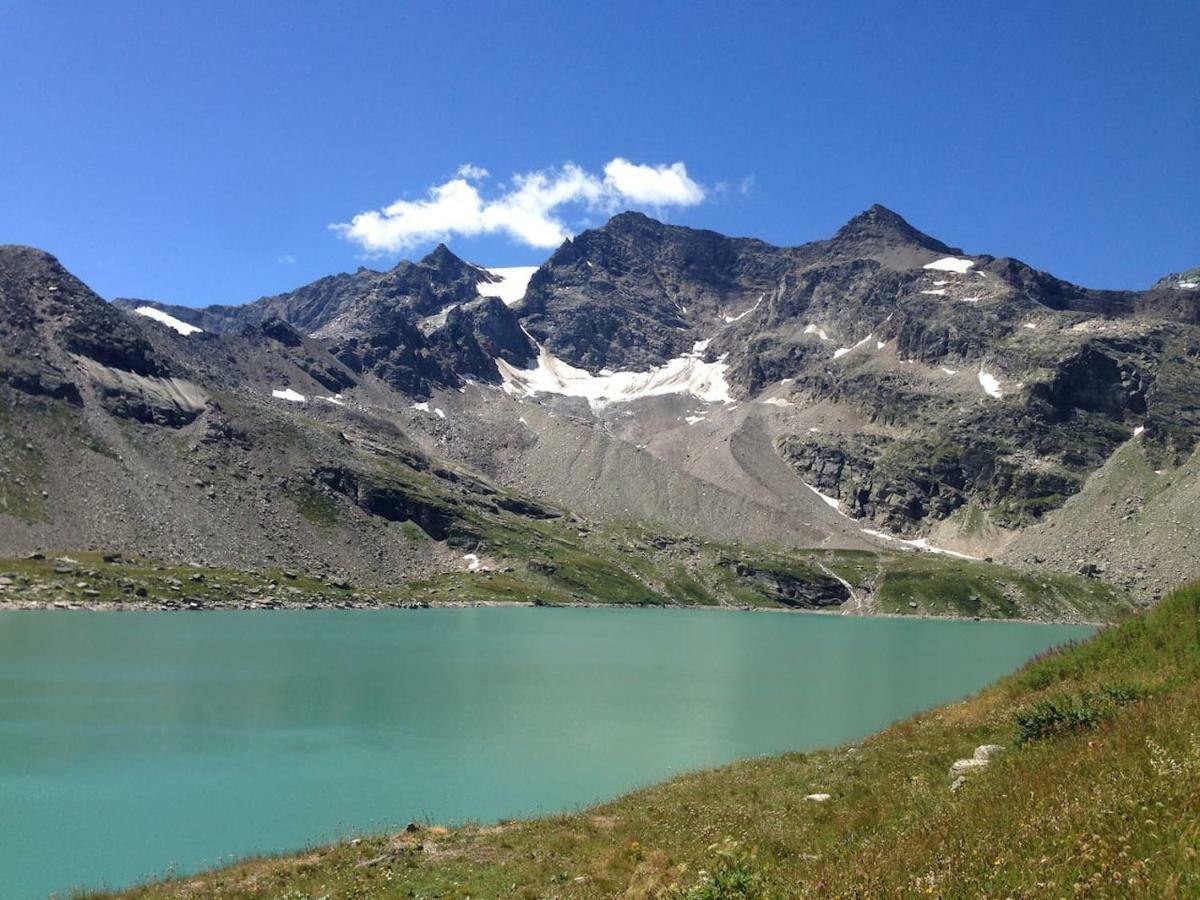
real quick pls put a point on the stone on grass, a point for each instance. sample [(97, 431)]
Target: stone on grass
[(817, 798), (963, 766)]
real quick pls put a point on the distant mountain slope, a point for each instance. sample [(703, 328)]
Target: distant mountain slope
[(851, 392)]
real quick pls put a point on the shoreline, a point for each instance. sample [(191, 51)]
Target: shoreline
[(139, 606)]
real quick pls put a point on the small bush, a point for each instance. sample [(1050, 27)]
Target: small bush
[(734, 876), (1067, 713)]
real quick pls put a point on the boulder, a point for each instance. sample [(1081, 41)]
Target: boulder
[(964, 766)]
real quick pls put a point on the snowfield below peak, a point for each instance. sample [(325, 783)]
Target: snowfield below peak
[(950, 264), (687, 374), (511, 286), (167, 319)]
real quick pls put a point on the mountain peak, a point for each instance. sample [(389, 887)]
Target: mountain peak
[(631, 220), (878, 223), (441, 257)]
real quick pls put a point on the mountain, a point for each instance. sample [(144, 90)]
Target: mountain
[(878, 391)]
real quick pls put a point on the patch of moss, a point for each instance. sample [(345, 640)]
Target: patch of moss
[(316, 506)]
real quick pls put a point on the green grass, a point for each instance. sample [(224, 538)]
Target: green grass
[(317, 506), (85, 578), (22, 473), (950, 586), (1109, 807)]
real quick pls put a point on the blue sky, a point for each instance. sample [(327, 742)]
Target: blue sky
[(199, 152)]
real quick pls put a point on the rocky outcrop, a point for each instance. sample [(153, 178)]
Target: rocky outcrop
[(802, 589), (476, 335), (45, 311), (39, 378), (636, 293), (391, 499), (171, 402)]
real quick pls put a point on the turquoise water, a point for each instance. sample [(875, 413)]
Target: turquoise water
[(136, 744)]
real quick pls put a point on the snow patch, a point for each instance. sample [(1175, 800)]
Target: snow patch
[(916, 544), (1188, 285), (842, 351), (336, 400), (949, 371), (778, 401), (511, 286), (430, 324), (950, 264), (1137, 431), (166, 319), (937, 292), (818, 331), (1030, 325), (741, 315), (969, 299), (692, 420), (990, 384), (832, 502), (439, 413), (879, 345), (289, 395), (472, 561), (421, 407), (686, 374)]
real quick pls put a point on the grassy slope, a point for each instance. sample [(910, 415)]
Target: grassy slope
[(1110, 810)]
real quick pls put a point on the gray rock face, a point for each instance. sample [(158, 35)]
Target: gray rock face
[(476, 334), (809, 590), (369, 321), (635, 293), (172, 402), (58, 340), (46, 313)]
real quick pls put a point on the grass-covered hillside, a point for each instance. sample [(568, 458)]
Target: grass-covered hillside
[(1096, 794)]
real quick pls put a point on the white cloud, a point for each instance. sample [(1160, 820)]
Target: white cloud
[(656, 185), (529, 209)]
